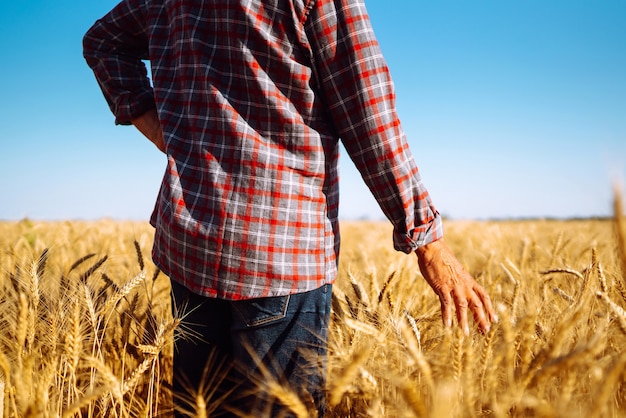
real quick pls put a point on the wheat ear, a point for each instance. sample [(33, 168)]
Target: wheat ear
[(112, 302)]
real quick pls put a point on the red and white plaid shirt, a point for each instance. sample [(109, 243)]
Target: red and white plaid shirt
[(253, 97)]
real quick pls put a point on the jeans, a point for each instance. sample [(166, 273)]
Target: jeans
[(230, 350)]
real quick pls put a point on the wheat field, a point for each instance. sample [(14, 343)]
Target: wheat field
[(86, 328)]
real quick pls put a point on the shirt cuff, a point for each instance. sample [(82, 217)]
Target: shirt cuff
[(132, 105), (419, 235)]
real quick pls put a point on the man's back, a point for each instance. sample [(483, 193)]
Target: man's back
[(252, 97)]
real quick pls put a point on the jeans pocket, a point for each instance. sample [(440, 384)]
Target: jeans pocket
[(261, 311)]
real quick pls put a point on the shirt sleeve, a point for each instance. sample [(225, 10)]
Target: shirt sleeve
[(355, 83), (114, 48)]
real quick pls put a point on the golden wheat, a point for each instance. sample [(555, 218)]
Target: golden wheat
[(86, 327)]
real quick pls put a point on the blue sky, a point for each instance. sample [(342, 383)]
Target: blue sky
[(512, 109)]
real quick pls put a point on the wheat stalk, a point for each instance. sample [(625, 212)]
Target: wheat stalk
[(22, 327), (485, 356), (287, 398), (617, 310), (386, 286), (412, 397), (130, 383), (607, 387), (112, 302), (341, 383), (602, 278), (620, 226)]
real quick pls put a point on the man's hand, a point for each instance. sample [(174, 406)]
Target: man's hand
[(454, 285), (148, 124)]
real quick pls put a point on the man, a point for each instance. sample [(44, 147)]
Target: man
[(249, 101)]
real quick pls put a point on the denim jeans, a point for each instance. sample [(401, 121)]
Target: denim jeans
[(233, 348)]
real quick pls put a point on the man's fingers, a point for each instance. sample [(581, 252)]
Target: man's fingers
[(455, 287), (486, 301), (446, 308), (461, 312), (478, 309), (475, 300)]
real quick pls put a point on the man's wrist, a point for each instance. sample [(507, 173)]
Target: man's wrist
[(425, 250)]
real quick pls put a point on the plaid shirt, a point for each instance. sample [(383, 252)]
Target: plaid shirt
[(253, 97)]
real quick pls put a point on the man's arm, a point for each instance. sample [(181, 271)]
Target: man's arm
[(454, 286), (357, 87), (114, 48)]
